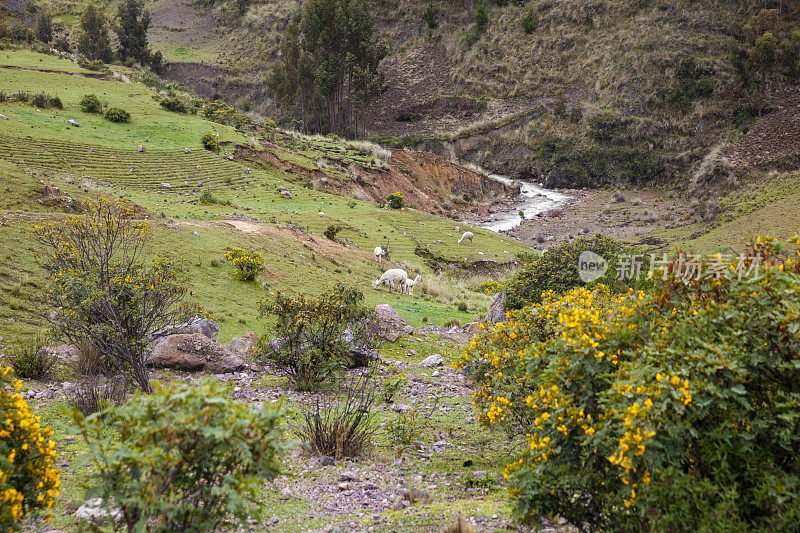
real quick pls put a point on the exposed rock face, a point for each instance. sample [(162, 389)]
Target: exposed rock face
[(65, 352), (497, 308), (472, 328), (202, 325), (194, 352)]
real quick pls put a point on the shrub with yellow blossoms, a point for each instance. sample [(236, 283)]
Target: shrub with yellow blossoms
[(673, 409), (248, 264), (28, 480)]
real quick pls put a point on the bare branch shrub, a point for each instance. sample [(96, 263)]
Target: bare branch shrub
[(341, 425)]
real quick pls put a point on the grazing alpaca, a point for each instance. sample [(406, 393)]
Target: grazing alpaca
[(408, 286), (392, 277), (466, 237), (380, 253)]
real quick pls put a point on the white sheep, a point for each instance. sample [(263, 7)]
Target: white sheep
[(467, 236), (408, 286), (392, 277), (380, 253)]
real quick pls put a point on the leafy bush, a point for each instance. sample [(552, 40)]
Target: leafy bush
[(55, 102), (530, 22), (392, 384), (106, 293), (207, 198), (557, 270), (406, 428), (97, 65), (248, 264), (673, 409), (395, 201), (431, 16), (691, 82), (210, 141), (173, 104), (90, 103), (341, 425), (219, 111), (117, 114), (331, 231), (315, 335), (28, 480), (40, 100), (481, 19), (31, 361), (186, 459)]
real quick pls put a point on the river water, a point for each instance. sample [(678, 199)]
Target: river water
[(534, 199)]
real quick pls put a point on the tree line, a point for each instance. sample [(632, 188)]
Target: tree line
[(328, 68)]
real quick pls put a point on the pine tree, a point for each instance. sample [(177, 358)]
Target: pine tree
[(131, 29), (93, 42)]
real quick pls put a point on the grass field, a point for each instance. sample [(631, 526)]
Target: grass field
[(100, 157)]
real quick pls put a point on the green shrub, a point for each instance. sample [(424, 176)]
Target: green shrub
[(173, 104), (462, 306), (208, 198), (607, 127), (568, 163), (248, 264), (90, 103), (674, 409), (331, 231), (31, 361), (41, 100), (481, 19), (406, 428), (219, 111), (210, 141), (246, 107), (55, 102), (28, 480), (97, 65), (530, 22), (691, 82), (557, 270), (316, 335), (117, 114), (395, 201), (183, 459), (392, 384), (431, 16)]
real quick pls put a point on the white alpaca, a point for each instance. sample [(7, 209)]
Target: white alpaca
[(392, 277), (467, 236), (380, 253), (408, 286)]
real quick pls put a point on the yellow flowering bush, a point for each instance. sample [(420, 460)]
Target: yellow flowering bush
[(673, 409), (27, 478), (248, 264)]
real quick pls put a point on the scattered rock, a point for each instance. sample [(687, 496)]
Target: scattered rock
[(347, 475), (65, 352), (497, 308), (186, 151), (166, 185), (286, 194), (72, 122), (479, 475), (4, 117), (436, 374), (141, 148), (390, 324), (194, 352), (432, 360)]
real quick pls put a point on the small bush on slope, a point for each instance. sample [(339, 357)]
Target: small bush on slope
[(674, 409), (187, 459)]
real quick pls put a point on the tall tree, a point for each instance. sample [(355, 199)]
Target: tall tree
[(131, 29), (44, 27), (329, 65), (93, 42)]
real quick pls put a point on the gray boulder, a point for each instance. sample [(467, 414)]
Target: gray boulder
[(432, 360), (194, 352), (244, 345), (390, 324), (497, 308), (93, 511), (202, 325)]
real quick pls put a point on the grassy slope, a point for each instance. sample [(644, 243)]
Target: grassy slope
[(101, 159)]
